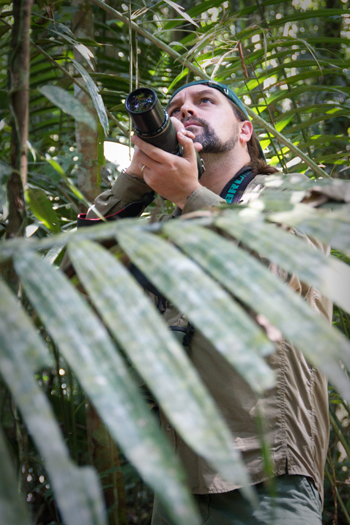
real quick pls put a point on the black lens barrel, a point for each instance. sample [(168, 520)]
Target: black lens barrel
[(145, 110), (151, 122)]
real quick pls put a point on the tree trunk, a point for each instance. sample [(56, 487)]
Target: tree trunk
[(19, 100), (86, 138)]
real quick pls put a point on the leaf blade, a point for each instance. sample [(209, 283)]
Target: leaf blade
[(67, 103), (86, 346), (95, 96), (16, 364), (255, 286), (157, 357), (152, 256)]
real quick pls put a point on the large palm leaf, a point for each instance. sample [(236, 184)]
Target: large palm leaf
[(210, 301)]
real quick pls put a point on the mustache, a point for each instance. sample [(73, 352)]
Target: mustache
[(198, 120)]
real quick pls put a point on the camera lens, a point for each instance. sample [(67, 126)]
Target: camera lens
[(152, 123), (141, 100), (146, 111)]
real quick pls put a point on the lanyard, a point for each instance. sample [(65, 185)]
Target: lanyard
[(234, 189)]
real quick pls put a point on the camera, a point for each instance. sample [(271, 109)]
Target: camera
[(152, 124)]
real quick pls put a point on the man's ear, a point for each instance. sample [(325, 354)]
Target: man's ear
[(245, 131)]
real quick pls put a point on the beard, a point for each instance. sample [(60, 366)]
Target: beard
[(208, 138)]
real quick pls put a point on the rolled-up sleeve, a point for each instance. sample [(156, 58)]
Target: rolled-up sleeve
[(125, 190)]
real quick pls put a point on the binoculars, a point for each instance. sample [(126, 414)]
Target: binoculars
[(152, 124)]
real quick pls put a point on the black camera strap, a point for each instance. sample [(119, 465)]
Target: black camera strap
[(131, 210), (235, 187)]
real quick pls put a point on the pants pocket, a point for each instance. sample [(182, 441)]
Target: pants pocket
[(310, 489)]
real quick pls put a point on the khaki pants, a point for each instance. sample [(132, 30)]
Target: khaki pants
[(296, 502)]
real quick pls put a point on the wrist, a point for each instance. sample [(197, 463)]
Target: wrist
[(182, 201), (131, 174)]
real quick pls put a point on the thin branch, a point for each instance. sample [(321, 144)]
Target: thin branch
[(151, 38), (341, 502), (18, 69), (319, 171), (339, 434)]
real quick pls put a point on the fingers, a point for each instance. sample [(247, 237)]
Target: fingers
[(177, 123), (185, 138), (179, 127), (159, 164), (135, 168), (148, 149)]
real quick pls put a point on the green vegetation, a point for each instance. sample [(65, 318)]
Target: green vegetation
[(75, 346)]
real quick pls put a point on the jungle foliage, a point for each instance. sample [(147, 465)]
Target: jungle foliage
[(75, 346)]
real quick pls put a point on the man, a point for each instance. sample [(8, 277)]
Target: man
[(210, 118)]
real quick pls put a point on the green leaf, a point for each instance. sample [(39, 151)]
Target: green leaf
[(55, 165), (12, 507), (17, 330), (252, 283), (181, 11), (157, 357), (330, 227), (85, 53), (41, 207), (88, 349), (78, 505), (65, 101), (95, 96), (328, 275), (176, 277)]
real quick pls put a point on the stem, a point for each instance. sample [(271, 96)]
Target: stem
[(18, 79), (339, 434), (118, 483), (333, 481), (335, 489), (62, 401), (74, 443)]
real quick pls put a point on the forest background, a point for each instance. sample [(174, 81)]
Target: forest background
[(69, 398)]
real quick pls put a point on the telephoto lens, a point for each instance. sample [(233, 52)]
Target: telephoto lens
[(151, 122), (153, 125)]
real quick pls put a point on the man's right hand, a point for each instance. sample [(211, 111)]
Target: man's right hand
[(172, 177)]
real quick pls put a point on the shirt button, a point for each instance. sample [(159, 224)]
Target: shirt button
[(167, 428)]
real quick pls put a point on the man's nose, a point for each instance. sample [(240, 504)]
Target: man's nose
[(187, 110)]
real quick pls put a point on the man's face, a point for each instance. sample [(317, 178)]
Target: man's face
[(209, 115)]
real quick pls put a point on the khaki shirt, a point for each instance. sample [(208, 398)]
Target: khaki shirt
[(295, 411)]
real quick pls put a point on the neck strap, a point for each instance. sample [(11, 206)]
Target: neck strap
[(235, 187)]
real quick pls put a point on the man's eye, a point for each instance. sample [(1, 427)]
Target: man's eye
[(205, 100), (174, 111)]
